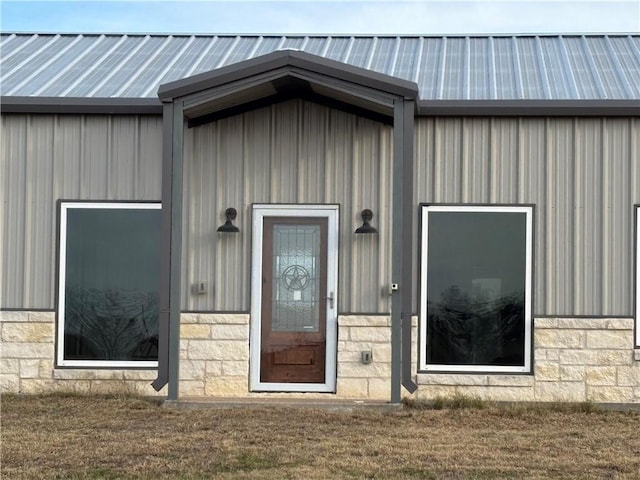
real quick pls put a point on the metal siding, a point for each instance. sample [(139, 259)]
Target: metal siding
[(581, 174), (293, 152), (46, 158)]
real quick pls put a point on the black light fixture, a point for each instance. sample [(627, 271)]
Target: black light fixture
[(228, 227), (366, 216)]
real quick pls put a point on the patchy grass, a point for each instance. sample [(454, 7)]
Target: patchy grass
[(125, 437)]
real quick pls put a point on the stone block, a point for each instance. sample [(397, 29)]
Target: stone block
[(218, 350), (191, 388), (582, 323), (192, 370), (450, 379), (195, 331), (610, 394), (628, 376), (429, 392), (235, 368), (573, 373), (27, 350), (28, 332), (364, 321), (579, 357), (344, 334), (9, 365), (42, 317), (226, 386), (358, 370), (352, 388), (547, 371), (225, 318), (380, 388), (39, 385), (73, 374), (511, 380), (601, 375), (9, 383), (46, 368), (553, 354), (370, 334), (115, 387), (620, 324), (213, 368), (614, 357), (29, 368), (186, 318), (510, 394), (545, 323), (140, 374), (560, 392), (9, 316), (559, 338), (636, 355), (230, 332), (610, 339)]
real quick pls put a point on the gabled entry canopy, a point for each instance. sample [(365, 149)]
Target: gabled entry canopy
[(283, 75), (259, 82)]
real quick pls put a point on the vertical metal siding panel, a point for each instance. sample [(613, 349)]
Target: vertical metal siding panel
[(476, 164), (38, 194), (284, 159), (12, 221), (587, 245), (560, 188), (504, 165), (448, 161), (533, 180), (229, 172), (311, 156), (618, 217), (95, 158)]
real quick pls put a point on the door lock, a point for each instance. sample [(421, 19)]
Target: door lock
[(330, 298)]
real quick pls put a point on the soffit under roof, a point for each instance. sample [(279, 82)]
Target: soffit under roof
[(286, 74)]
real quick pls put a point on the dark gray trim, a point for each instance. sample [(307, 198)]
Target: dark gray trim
[(165, 270), (529, 108), (217, 312), (284, 59), (81, 105)]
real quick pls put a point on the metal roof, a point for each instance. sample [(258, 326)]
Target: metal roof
[(518, 67)]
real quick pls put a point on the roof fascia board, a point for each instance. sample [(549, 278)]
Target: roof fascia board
[(81, 105), (287, 58), (529, 108)]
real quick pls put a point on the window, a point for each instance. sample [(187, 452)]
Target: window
[(637, 276), (475, 306), (108, 285)]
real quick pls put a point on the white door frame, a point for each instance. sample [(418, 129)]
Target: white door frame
[(331, 213)]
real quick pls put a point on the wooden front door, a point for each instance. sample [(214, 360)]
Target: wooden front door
[(294, 298), (297, 301)]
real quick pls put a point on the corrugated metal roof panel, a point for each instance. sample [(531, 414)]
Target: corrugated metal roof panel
[(571, 67)]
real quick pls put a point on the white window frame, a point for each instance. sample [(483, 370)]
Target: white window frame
[(65, 206), (637, 260), (260, 211), (423, 365)]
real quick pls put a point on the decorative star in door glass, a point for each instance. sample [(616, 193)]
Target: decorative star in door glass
[(295, 277)]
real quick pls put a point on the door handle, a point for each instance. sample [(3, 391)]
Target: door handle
[(330, 298)]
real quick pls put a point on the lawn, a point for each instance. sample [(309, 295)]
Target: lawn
[(69, 437)]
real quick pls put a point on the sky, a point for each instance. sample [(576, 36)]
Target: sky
[(435, 17)]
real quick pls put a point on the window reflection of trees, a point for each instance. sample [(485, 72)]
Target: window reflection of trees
[(112, 324), (475, 330)]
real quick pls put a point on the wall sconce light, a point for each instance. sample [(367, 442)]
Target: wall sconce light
[(228, 227), (366, 216)]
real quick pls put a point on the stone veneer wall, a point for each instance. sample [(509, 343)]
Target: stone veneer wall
[(575, 360), (214, 357), (27, 356)]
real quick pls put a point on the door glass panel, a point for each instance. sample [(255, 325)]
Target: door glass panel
[(296, 278)]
